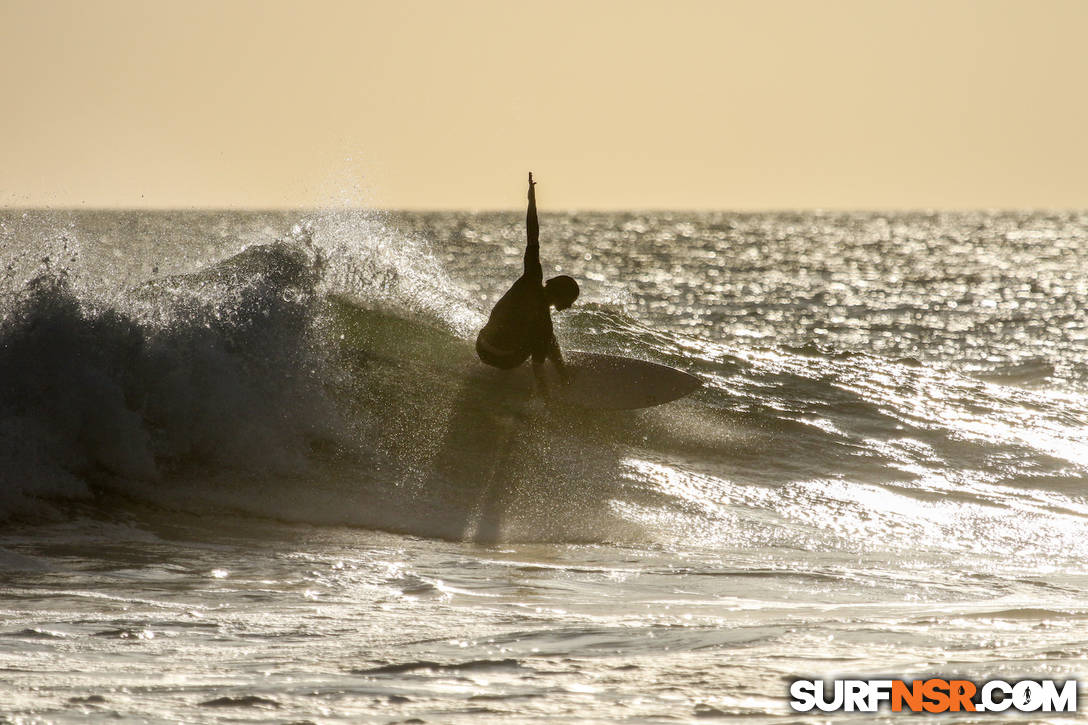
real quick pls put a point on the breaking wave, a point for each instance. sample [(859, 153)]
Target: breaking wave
[(328, 377)]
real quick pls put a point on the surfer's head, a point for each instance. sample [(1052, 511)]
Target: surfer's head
[(561, 291)]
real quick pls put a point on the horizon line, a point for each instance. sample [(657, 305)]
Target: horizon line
[(573, 210)]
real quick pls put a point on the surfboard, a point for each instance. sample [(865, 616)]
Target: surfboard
[(404, 348), (610, 382)]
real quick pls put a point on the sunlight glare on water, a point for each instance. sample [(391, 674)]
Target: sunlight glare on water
[(252, 469)]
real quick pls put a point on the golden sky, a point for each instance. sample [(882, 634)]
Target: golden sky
[(856, 104)]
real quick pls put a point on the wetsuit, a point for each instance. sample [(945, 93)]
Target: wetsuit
[(521, 323)]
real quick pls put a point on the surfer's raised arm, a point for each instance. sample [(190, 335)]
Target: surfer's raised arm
[(532, 232)]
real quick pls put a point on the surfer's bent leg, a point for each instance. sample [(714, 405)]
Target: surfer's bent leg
[(495, 356)]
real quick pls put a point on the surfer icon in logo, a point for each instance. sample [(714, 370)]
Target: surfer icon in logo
[(520, 324)]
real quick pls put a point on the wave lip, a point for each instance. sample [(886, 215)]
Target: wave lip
[(168, 378)]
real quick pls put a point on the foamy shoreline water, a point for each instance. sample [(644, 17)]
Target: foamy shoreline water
[(267, 485)]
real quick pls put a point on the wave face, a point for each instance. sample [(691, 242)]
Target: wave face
[(320, 369)]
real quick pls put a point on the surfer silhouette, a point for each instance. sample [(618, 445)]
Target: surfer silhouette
[(520, 325)]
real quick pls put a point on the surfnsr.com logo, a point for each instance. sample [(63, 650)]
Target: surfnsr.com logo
[(933, 695)]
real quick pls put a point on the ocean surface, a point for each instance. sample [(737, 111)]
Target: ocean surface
[(250, 470)]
